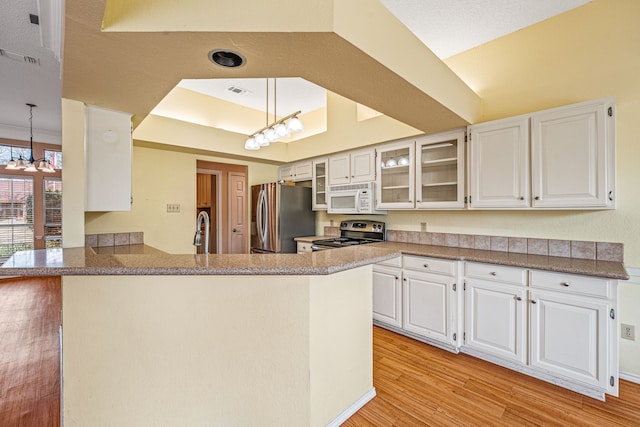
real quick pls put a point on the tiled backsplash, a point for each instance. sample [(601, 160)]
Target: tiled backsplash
[(601, 251), (114, 239)]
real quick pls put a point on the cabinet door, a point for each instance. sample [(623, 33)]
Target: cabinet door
[(363, 168), (319, 185), (339, 169), (440, 171), (302, 171), (569, 337), (395, 184), (571, 159), (429, 305), (499, 164), (387, 295), (108, 146), (286, 172), (495, 319)]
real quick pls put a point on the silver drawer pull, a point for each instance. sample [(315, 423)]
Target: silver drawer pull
[(426, 266), (518, 298), (565, 284), (493, 273), (533, 301)]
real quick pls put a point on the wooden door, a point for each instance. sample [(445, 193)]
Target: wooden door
[(237, 213)]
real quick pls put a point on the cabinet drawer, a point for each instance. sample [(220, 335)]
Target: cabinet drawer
[(496, 273), (432, 265), (393, 262), (304, 247), (570, 283)]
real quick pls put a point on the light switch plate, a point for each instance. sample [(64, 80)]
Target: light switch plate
[(173, 208)]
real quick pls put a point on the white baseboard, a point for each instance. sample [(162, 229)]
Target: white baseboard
[(630, 377), (344, 416)]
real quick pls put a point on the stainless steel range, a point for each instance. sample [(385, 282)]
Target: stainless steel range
[(353, 232)]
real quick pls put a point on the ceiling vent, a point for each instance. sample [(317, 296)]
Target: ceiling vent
[(18, 57), (238, 90)]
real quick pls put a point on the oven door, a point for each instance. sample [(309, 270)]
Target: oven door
[(343, 202)]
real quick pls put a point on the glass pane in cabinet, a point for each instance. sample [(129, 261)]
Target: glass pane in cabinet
[(395, 158), (394, 171), (320, 170), (439, 193), (439, 172), (395, 195), (440, 152)]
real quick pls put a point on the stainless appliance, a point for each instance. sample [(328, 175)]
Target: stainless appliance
[(353, 232), (278, 214), (352, 199)]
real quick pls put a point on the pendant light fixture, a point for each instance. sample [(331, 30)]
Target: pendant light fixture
[(278, 129), (30, 165)]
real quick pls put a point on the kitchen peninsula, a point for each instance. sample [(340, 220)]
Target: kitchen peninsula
[(151, 338)]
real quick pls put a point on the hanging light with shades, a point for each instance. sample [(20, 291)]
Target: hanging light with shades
[(276, 130), (30, 165)]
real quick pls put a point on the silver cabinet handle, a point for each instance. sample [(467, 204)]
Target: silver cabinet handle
[(537, 197), (534, 301), (426, 266), (518, 298), (521, 198), (565, 284), (493, 273)]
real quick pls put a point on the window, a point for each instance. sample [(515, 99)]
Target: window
[(53, 157), (53, 213), (8, 152), (16, 215)]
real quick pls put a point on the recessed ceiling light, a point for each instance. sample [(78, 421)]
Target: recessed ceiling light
[(226, 58)]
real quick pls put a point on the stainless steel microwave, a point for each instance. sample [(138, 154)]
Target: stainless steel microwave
[(352, 199)]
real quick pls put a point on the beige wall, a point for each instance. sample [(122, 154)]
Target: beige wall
[(215, 350), (161, 177)]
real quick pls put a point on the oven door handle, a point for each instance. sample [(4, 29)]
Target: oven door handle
[(357, 201)]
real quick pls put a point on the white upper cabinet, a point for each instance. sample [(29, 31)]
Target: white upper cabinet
[(299, 171), (569, 153), (440, 171), (352, 167), (573, 156), (395, 185), (319, 184), (108, 146), (499, 164)]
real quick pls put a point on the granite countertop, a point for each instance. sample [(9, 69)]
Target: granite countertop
[(145, 260)]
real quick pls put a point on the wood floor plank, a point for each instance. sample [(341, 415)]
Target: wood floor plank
[(420, 385), (30, 352)]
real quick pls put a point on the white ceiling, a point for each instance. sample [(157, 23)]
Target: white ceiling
[(447, 27)]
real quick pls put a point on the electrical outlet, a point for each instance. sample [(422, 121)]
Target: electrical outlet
[(173, 208), (628, 332), (423, 226)]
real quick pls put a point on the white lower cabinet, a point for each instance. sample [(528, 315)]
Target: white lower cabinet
[(566, 322), (417, 296), (428, 305), (387, 294), (495, 319)]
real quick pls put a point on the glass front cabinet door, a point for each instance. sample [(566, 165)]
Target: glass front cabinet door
[(395, 183), (440, 171), (319, 184)]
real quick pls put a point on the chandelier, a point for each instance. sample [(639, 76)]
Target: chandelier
[(276, 130), (30, 165)]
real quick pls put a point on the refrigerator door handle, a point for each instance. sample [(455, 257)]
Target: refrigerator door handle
[(264, 215), (259, 223)]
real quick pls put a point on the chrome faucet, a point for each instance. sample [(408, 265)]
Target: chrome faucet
[(196, 240)]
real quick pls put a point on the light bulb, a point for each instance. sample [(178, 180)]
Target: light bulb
[(11, 164), (31, 168), (295, 125), (251, 144), (259, 140), (281, 131), (270, 134)]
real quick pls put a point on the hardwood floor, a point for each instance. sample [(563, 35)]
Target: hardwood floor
[(30, 352), (420, 385)]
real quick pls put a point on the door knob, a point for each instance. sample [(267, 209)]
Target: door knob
[(234, 230)]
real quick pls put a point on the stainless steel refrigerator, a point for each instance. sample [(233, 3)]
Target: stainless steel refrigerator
[(279, 213)]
